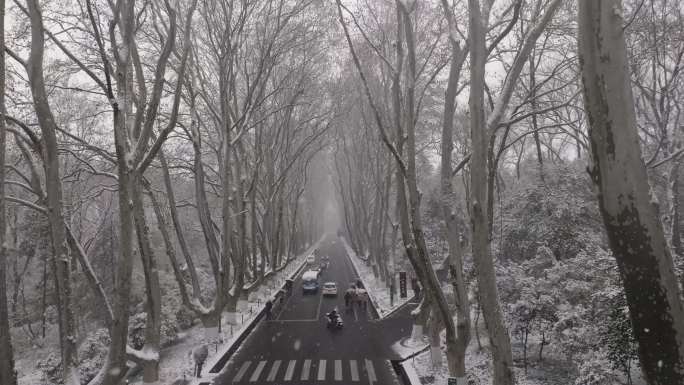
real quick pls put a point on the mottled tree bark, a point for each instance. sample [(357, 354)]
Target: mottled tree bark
[(630, 216)]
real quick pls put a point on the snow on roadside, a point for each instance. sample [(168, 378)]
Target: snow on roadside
[(377, 289)]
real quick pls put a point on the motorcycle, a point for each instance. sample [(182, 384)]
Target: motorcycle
[(334, 323)]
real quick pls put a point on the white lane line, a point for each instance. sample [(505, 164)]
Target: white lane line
[(321, 370), (257, 371), (305, 370), (371, 371), (274, 371), (242, 371), (338, 370), (320, 302), (354, 370), (290, 370)]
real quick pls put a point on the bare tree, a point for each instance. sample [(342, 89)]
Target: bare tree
[(630, 216)]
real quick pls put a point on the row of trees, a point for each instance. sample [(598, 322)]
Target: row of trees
[(196, 117), (414, 61)]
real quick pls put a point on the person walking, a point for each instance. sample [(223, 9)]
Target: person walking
[(269, 309), (347, 298), (199, 355)]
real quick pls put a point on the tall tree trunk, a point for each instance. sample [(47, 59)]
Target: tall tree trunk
[(484, 264), (631, 218), (152, 288), (430, 282), (115, 367), (171, 197), (455, 351), (53, 185), (7, 375)]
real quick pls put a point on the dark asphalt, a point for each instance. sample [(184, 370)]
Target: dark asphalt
[(297, 348)]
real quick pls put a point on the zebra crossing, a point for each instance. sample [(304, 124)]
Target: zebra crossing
[(263, 371)]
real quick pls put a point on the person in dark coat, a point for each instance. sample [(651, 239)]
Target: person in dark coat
[(269, 309), (199, 355), (347, 298)]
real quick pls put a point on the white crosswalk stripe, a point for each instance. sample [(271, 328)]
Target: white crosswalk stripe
[(290, 370), (354, 370), (338, 370), (242, 371), (257, 371), (371, 371), (305, 370), (274, 371), (259, 374), (321, 370)]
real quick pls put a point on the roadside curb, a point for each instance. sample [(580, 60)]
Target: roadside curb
[(407, 372)]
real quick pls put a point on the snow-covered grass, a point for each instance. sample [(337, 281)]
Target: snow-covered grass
[(378, 290)]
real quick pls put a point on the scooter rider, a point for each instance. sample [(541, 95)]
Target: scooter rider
[(333, 316)]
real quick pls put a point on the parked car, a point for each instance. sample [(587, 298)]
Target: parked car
[(329, 288), (310, 282), (310, 259)]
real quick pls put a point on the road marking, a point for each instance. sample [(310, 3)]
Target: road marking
[(242, 371), (257, 371), (274, 371), (305, 370), (354, 370), (321, 370), (290, 370), (338, 370), (320, 302), (371, 371)]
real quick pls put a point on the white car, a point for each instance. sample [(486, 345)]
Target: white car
[(310, 259), (329, 288)]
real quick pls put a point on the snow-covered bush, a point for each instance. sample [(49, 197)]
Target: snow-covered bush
[(51, 366), (136, 330), (594, 369), (185, 318), (558, 212), (92, 354)]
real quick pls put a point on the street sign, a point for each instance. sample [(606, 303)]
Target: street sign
[(402, 284)]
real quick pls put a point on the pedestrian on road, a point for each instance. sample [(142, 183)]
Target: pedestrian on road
[(269, 308), (363, 296), (347, 298)]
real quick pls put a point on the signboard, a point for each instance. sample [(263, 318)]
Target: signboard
[(402, 284)]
